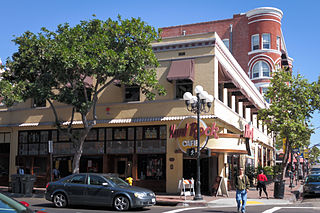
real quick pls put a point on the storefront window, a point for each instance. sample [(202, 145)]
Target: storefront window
[(63, 148), (93, 148), (163, 132), (119, 147), (139, 133), (92, 135), (63, 136), (120, 133), (150, 132), (44, 136), (151, 167), (151, 146), (131, 133), (101, 134), (39, 165), (54, 136), (109, 134)]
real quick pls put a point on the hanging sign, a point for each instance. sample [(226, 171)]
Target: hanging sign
[(186, 133)]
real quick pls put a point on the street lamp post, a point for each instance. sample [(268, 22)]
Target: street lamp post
[(202, 102)]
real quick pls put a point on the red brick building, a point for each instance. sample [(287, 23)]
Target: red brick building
[(254, 38)]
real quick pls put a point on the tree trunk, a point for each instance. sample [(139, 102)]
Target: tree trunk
[(285, 160), (78, 145), (76, 161)]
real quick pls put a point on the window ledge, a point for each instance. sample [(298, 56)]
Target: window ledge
[(258, 78)]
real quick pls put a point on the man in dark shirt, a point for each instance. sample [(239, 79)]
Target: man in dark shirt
[(242, 185)]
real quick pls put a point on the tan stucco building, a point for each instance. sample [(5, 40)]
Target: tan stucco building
[(132, 135)]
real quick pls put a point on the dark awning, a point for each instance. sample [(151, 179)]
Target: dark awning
[(181, 70)]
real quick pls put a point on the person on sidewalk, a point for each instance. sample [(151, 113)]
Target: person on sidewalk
[(262, 182), (242, 185)]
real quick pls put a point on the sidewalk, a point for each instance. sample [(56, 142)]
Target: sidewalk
[(290, 196)]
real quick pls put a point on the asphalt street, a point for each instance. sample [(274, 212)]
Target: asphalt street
[(307, 205)]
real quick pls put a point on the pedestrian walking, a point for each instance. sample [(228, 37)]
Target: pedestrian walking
[(262, 182), (56, 174), (242, 185)]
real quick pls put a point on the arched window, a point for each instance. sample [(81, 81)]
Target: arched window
[(260, 69)]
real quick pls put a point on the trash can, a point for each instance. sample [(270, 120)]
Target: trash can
[(15, 183), (27, 182), (279, 189)]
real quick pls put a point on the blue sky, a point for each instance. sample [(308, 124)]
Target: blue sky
[(299, 24)]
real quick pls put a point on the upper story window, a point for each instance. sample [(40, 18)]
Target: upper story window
[(183, 86), (132, 93), (37, 102), (278, 43), (266, 41), (226, 42), (260, 69), (255, 42)]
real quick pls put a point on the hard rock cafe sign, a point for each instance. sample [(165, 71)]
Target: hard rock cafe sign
[(186, 133)]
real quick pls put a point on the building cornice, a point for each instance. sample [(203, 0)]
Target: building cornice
[(265, 10)]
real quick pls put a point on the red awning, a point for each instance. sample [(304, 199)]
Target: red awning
[(181, 70)]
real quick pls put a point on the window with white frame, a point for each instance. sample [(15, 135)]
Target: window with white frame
[(260, 69), (255, 42), (226, 42), (266, 41), (278, 43)]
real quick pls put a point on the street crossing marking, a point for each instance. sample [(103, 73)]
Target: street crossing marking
[(184, 209), (274, 209)]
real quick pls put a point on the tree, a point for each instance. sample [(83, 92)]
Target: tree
[(314, 155), (290, 111), (73, 65)]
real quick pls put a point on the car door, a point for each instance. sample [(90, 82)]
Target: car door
[(97, 193), (76, 188)]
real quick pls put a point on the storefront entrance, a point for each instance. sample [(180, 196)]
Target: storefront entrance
[(208, 171)]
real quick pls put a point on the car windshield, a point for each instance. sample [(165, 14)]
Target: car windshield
[(9, 205), (315, 178), (117, 181)]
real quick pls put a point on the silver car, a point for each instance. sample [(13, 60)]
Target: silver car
[(98, 190)]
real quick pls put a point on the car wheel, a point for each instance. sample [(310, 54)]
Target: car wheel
[(60, 200), (121, 203)]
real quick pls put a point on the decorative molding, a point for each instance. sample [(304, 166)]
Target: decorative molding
[(264, 20), (265, 14), (265, 10), (264, 51)]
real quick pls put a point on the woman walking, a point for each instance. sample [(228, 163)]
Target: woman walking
[(262, 179), (242, 185)]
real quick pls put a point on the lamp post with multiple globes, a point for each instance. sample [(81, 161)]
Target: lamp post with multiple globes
[(202, 102)]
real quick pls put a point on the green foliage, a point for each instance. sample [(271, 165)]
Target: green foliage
[(268, 170), (314, 154), (55, 65), (72, 65), (291, 108), (292, 104)]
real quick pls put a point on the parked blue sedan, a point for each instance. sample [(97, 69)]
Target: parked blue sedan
[(312, 184), (98, 189)]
